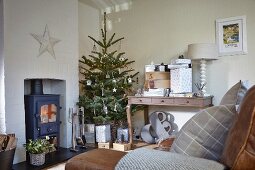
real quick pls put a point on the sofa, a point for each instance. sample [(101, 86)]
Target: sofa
[(216, 138)]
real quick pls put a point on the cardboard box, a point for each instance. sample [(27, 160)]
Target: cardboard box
[(157, 76), (107, 145), (121, 146)]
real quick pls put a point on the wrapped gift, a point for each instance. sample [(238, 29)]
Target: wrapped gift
[(103, 133), (90, 137), (89, 132), (181, 80), (90, 128), (122, 134)]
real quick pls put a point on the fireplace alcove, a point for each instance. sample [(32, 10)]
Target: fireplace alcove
[(42, 110)]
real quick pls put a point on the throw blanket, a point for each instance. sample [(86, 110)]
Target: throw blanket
[(146, 159)]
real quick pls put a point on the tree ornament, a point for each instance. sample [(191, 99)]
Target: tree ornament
[(129, 80), (114, 80), (94, 47), (121, 58), (105, 109), (89, 82), (107, 75), (125, 80), (114, 90), (115, 107), (102, 91), (105, 55)]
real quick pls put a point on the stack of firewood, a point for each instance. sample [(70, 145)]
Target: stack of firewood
[(7, 142)]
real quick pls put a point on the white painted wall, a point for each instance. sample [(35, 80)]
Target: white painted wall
[(2, 99), (161, 30), (21, 18), (89, 25)]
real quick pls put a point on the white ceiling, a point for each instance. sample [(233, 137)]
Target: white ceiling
[(106, 5)]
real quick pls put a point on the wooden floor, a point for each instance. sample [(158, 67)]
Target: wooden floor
[(53, 158)]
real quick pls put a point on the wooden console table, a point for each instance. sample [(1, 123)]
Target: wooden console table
[(199, 102)]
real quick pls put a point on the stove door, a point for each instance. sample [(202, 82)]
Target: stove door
[(47, 118)]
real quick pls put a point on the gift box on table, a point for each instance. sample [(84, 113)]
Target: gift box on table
[(181, 80)]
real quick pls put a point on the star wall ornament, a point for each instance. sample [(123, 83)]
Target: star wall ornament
[(47, 42)]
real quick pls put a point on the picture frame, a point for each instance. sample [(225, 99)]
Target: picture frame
[(231, 36)]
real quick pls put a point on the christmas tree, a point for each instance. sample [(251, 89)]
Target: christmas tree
[(107, 80)]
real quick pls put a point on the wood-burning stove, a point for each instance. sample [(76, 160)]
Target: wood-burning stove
[(42, 112)]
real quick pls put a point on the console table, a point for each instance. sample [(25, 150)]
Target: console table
[(199, 102)]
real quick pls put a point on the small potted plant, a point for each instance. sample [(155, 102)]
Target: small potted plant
[(37, 149)]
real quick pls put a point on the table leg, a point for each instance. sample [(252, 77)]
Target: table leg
[(146, 115), (130, 130)]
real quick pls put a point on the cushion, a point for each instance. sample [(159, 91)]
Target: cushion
[(150, 159), (239, 151), (235, 94), (205, 133)]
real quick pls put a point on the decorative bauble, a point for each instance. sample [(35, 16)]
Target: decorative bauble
[(122, 59), (89, 82), (129, 80)]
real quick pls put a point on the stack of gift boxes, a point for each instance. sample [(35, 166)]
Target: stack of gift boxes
[(103, 137), (174, 79)]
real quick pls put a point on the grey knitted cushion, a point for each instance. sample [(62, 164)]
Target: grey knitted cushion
[(205, 133), (150, 159)]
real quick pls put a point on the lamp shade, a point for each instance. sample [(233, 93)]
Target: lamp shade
[(206, 51)]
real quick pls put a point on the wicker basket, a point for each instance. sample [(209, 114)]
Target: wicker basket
[(6, 159), (37, 159)]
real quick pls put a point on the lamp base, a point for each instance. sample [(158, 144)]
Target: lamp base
[(203, 75)]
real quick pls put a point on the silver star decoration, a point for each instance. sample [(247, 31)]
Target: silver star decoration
[(46, 42), (114, 89)]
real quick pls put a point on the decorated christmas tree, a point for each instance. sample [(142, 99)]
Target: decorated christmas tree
[(106, 81)]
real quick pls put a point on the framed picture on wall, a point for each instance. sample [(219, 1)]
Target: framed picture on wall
[(231, 36)]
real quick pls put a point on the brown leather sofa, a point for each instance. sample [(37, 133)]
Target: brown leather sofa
[(238, 152), (97, 159)]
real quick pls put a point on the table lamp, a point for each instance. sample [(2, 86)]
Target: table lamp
[(203, 52)]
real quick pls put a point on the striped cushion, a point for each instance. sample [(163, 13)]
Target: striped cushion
[(205, 133)]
